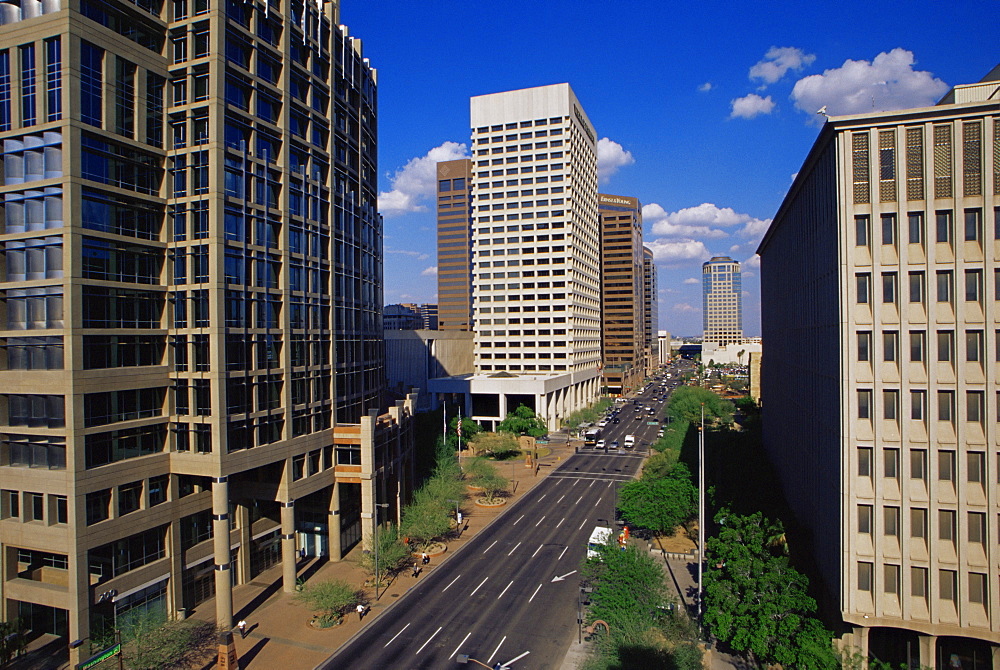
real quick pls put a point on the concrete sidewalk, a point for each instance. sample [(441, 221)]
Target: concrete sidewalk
[(279, 634)]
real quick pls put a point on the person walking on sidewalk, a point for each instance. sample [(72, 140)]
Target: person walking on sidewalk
[(242, 626), (361, 611)]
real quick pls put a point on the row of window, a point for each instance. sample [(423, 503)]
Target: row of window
[(28, 506), (975, 348), (522, 124), (943, 227), (33, 106), (946, 470), (944, 283), (130, 497), (947, 524), (510, 148), (975, 405), (977, 592)]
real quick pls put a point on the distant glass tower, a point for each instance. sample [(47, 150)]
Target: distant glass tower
[(722, 285)]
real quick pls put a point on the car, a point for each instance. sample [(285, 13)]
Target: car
[(601, 444), (616, 420), (602, 423), (638, 416), (614, 444)]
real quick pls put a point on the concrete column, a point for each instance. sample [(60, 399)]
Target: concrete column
[(861, 642), (220, 540), (289, 556), (333, 524), (995, 656), (175, 588), (246, 532), (928, 651), (79, 610)]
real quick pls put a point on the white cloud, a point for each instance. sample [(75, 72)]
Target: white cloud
[(750, 106), (705, 88), (610, 157), (419, 255), (684, 307), (704, 221), (675, 251), (690, 280), (778, 61), (752, 262), (887, 82), (417, 180), (432, 271)]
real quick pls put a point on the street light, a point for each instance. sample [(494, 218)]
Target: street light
[(458, 526), (377, 505), (701, 512)]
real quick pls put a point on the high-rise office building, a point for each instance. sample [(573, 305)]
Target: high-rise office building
[(722, 301), (651, 314), (882, 334), (623, 294), (189, 228), (535, 242), (454, 236)]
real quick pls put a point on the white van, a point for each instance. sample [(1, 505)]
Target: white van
[(598, 538), (629, 441)]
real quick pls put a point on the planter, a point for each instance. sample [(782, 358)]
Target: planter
[(475, 489), (481, 502)]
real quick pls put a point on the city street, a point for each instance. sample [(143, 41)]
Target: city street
[(512, 592)]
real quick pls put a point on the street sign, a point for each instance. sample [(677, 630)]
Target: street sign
[(100, 657)]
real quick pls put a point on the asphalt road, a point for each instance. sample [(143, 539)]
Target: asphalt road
[(510, 594)]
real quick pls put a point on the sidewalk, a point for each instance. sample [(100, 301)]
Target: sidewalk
[(279, 635)]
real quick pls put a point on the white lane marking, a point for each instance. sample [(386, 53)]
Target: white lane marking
[(518, 519), (598, 502), (563, 551), (537, 550), (477, 588), (579, 499), (504, 590), (543, 497), (515, 548), (535, 593), (396, 635), (575, 482), (560, 522), (540, 520), (560, 499), (460, 644), (582, 524), (516, 658), (488, 660), (490, 547), (610, 483), (428, 640), (592, 482), (449, 585)]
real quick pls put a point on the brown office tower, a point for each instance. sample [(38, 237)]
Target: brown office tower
[(188, 225), (454, 209), (623, 310)]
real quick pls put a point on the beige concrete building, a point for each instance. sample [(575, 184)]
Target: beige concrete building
[(722, 306), (623, 294), (188, 227), (880, 289)]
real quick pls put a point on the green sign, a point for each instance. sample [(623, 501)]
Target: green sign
[(101, 656)]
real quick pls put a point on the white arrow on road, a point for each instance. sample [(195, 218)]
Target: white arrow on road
[(559, 579)]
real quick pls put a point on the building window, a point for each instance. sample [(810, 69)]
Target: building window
[(98, 506), (918, 464), (918, 583), (946, 405), (864, 288), (864, 345), (918, 404), (158, 490), (944, 286), (973, 285), (864, 461), (889, 287), (91, 83), (918, 339), (53, 79), (29, 108), (916, 226), (890, 574), (5, 116), (10, 504), (943, 226), (124, 97), (973, 225), (977, 588), (129, 497), (890, 346), (948, 582), (974, 406), (864, 404), (888, 228), (61, 509), (974, 346), (34, 505), (865, 580), (865, 519), (946, 466), (890, 522), (862, 230), (945, 346), (890, 405), (890, 463), (976, 467), (918, 523), (916, 286)]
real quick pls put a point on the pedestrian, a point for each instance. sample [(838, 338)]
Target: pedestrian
[(361, 611), (242, 626), (458, 519), (416, 569), (424, 558)]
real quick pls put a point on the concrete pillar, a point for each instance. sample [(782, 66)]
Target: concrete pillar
[(861, 642), (289, 556), (246, 531), (995, 656), (79, 610), (220, 541), (175, 587), (928, 651), (333, 524)]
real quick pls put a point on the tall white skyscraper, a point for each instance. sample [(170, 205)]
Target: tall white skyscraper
[(722, 285), (536, 280)]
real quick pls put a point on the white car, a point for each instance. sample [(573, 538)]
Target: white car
[(600, 444), (602, 423)]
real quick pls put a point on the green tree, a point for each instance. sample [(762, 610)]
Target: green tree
[(424, 521), (659, 504), (484, 475), (393, 555), (628, 585), (522, 421), (494, 443), (469, 431), (332, 599), (150, 641), (756, 601), (686, 402)]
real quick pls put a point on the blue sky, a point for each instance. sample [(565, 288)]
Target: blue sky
[(706, 109)]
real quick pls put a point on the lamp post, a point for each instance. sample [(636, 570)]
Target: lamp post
[(377, 505), (458, 526)]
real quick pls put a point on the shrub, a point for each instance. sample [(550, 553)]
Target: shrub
[(332, 599)]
